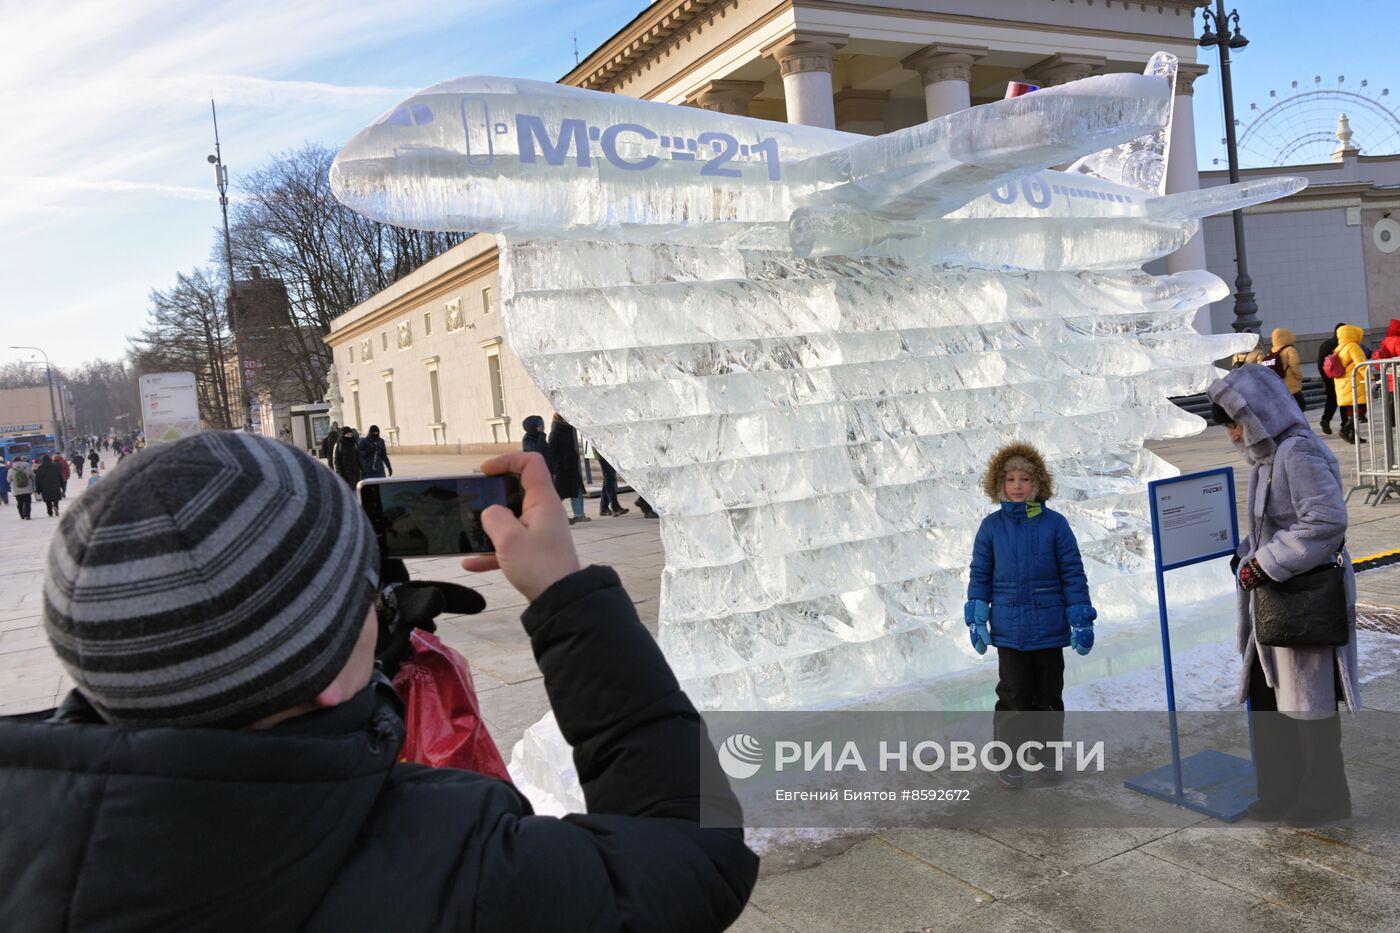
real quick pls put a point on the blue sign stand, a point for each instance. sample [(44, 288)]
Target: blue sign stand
[(1190, 523)]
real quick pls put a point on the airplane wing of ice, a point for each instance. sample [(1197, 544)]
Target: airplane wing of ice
[(936, 167)]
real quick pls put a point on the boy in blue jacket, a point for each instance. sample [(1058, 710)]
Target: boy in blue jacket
[(1028, 597)]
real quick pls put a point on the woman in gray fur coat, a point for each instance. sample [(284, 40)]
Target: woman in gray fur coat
[(1297, 520)]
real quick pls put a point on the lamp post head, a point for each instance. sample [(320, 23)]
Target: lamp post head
[(1208, 36), (1237, 40)]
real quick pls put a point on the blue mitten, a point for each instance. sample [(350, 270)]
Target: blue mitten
[(976, 612), (1081, 627)]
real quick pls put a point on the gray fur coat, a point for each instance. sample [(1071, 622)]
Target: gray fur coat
[(1297, 520)]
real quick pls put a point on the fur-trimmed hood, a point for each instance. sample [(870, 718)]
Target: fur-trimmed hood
[(1040, 475)]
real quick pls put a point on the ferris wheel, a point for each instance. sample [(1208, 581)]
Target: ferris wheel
[(1300, 124)]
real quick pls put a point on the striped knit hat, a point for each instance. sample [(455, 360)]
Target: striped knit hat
[(209, 582)]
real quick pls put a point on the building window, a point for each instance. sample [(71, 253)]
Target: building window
[(355, 398), (384, 339), (405, 334), (498, 393), (437, 396), (427, 323), (456, 320), (352, 353), (488, 300), (389, 397), (366, 350)]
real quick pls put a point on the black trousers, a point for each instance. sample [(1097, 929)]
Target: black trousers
[(1030, 696), (1297, 762), (23, 502), (51, 505), (1329, 407)]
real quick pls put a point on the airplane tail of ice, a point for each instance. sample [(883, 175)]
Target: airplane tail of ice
[(1193, 205), (1142, 162)]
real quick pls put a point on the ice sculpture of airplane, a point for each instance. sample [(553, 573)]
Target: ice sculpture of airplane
[(514, 156), (802, 345)]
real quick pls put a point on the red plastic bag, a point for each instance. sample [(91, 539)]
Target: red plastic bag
[(441, 712)]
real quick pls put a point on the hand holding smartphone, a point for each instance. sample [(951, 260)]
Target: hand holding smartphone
[(437, 515)]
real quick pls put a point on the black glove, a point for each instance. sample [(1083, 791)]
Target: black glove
[(403, 605), (1235, 566)]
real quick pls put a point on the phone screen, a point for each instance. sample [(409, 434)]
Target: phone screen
[(437, 515)]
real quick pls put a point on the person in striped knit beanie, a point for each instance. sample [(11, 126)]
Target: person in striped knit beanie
[(222, 580), (230, 758)]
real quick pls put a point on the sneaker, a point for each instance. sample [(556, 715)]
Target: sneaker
[(617, 512), (1013, 778), (604, 513), (1265, 811), (573, 519), (650, 515), (582, 518), (1301, 817)]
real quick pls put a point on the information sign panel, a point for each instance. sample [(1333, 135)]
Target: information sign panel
[(1193, 517), (169, 407)]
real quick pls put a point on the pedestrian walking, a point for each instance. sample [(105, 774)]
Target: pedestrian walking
[(93, 458), (78, 463), (608, 497), (64, 472), (1282, 360), (1297, 523), (1329, 385), (1027, 597), (374, 456), (1351, 354), (347, 458), (1254, 355), (48, 481), (4, 482), (22, 485), (568, 474), (536, 441), (328, 445)]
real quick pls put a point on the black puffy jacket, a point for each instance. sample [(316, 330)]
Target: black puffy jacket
[(312, 825)]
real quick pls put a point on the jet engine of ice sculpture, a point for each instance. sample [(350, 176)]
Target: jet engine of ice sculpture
[(803, 345)]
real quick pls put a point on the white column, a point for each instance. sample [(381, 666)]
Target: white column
[(1182, 173), (946, 71), (804, 60)]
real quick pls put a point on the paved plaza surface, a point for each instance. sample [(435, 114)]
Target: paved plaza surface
[(1189, 873)]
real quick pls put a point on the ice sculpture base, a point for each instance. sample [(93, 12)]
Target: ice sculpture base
[(1124, 672)]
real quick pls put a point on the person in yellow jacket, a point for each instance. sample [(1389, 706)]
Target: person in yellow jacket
[(1350, 353), (1283, 360)]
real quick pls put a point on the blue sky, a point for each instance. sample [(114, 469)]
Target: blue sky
[(104, 188)]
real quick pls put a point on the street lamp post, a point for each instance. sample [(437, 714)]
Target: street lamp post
[(221, 182), (59, 428), (1215, 31)]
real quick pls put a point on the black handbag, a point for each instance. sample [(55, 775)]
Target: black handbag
[(1308, 610)]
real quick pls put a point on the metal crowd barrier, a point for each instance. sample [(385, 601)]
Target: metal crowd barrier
[(1377, 446)]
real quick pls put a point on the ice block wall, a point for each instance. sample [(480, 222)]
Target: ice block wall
[(813, 433)]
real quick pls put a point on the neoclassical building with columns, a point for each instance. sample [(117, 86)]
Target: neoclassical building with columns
[(427, 359)]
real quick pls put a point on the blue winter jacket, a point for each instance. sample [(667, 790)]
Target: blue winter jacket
[(1029, 570)]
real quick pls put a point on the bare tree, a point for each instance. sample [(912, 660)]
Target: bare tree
[(289, 224), (104, 393), (188, 331), (19, 374)]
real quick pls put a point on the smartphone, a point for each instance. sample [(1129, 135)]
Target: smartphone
[(423, 516)]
